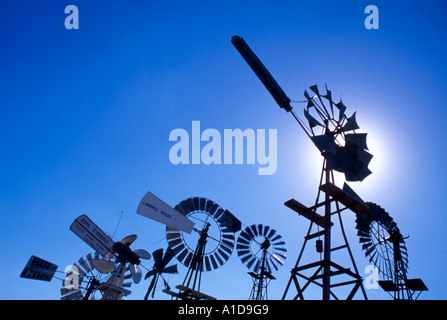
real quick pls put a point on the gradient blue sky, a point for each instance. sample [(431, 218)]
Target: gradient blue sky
[(85, 117)]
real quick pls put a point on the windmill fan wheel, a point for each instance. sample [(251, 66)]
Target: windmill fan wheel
[(86, 279), (381, 240), (220, 225), (333, 133), (251, 242)]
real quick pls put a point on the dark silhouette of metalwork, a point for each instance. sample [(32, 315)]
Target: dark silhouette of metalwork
[(385, 247), (263, 251), (210, 251), (343, 150), (160, 267)]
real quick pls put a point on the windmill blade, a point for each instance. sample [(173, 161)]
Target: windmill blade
[(328, 96), (341, 110), (254, 230), (169, 254), (250, 262), (224, 255), (73, 295), (351, 124), (153, 285), (158, 257), (243, 250), (182, 255), (246, 257), (358, 139), (214, 262), (271, 262), (74, 270), (312, 121), (325, 143), (310, 104), (276, 238), (314, 88), (281, 249), (84, 265), (143, 254), (171, 269), (271, 233), (207, 263), (136, 273), (266, 230), (244, 236), (89, 260), (127, 241), (241, 242), (102, 265), (118, 276), (150, 273), (282, 255)]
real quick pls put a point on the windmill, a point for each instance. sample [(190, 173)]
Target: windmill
[(127, 259), (385, 248), (112, 263), (160, 267), (343, 150), (89, 279), (200, 233), (261, 250), (207, 248)]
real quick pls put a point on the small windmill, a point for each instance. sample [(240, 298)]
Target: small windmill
[(126, 259), (261, 250), (112, 263), (160, 267), (83, 278), (208, 248)]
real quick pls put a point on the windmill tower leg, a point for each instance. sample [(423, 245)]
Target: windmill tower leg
[(327, 242), (261, 280), (322, 272)]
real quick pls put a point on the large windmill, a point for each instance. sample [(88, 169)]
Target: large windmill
[(343, 150)]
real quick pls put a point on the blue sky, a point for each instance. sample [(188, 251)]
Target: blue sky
[(85, 117)]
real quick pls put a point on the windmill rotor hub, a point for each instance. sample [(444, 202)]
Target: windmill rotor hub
[(125, 254)]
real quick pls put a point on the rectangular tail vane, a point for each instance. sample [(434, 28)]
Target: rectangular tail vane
[(263, 74)]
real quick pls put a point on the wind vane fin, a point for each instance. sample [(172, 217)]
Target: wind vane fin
[(154, 208)]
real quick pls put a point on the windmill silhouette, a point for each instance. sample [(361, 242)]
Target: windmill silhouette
[(160, 267)]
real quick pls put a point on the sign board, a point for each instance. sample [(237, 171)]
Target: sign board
[(154, 208), (38, 269), (88, 231)]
